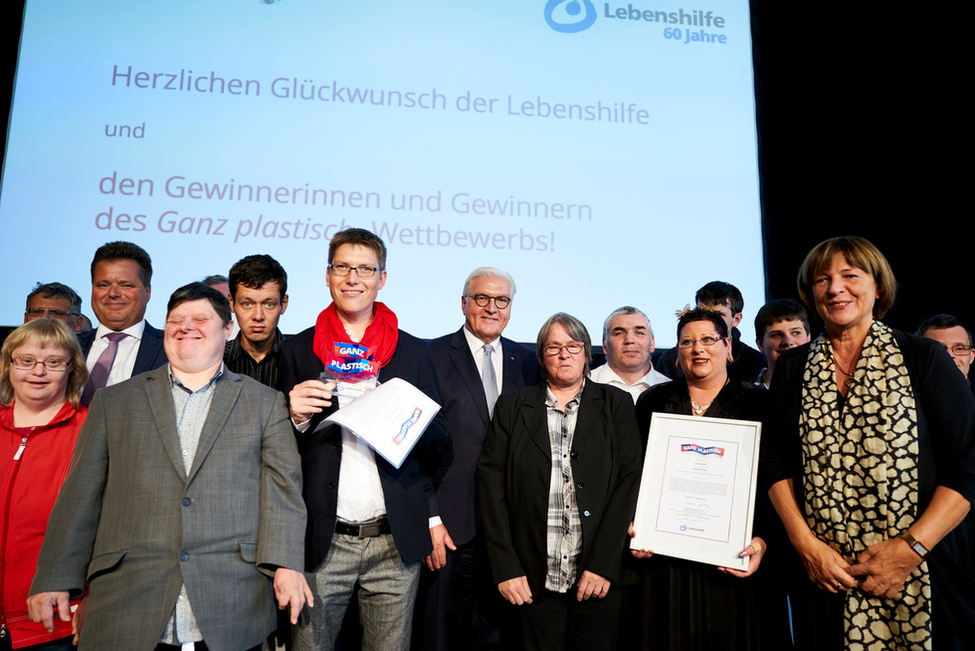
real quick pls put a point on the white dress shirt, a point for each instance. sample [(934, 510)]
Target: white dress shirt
[(477, 351), (360, 493), (128, 350), (605, 375)]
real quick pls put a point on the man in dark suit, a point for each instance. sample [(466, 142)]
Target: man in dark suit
[(182, 504), (458, 607), (369, 524), (123, 344)]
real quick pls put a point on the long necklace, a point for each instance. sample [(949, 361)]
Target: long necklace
[(848, 382)]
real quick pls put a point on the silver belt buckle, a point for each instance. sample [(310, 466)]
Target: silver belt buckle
[(370, 530)]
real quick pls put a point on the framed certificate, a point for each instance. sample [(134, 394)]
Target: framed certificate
[(697, 495)]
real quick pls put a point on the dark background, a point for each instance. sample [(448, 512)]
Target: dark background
[(860, 114)]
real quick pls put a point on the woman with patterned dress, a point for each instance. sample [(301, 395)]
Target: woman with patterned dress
[(870, 454)]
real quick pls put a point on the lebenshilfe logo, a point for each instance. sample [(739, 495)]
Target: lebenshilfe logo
[(570, 16)]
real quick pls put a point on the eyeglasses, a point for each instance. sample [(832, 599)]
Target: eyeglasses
[(554, 349), (705, 341), (482, 300), (958, 350), (344, 270), (40, 312), (25, 363)]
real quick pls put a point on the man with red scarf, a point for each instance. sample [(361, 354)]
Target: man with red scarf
[(368, 523)]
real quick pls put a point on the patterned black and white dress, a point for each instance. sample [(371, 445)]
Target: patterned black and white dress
[(864, 468)]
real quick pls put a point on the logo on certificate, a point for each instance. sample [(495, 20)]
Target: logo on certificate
[(694, 447)]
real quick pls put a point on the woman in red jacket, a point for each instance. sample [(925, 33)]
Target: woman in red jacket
[(42, 374)]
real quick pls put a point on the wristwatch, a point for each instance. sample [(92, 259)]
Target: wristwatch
[(918, 548)]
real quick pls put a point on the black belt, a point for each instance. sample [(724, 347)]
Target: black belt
[(200, 646), (369, 529)]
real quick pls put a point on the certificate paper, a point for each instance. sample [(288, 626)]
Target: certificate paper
[(390, 418), (697, 495)]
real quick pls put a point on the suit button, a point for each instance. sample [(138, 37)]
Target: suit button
[(581, 484), (184, 556), (574, 455), (187, 501), (332, 485)]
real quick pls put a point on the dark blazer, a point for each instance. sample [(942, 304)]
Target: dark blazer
[(132, 523), (150, 356), (407, 490), (946, 457), (515, 471), (467, 420)]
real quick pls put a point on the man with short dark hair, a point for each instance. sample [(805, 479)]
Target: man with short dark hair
[(725, 299), (779, 325), (258, 297), (628, 343), (123, 344), (460, 607), (182, 514), (951, 333), (54, 301), (369, 524)]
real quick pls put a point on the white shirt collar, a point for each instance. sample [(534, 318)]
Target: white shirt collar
[(134, 331)]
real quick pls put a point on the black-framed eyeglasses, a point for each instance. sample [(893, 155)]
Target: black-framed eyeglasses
[(555, 349), (26, 363), (41, 312), (344, 270), (482, 300)]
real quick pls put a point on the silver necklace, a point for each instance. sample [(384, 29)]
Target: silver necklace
[(699, 409)]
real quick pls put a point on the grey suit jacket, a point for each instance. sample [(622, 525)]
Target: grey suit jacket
[(131, 522)]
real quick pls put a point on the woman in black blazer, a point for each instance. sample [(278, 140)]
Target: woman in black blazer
[(558, 477)]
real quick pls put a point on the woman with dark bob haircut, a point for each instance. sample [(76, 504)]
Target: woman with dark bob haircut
[(557, 482), (42, 373), (870, 454), (691, 606)]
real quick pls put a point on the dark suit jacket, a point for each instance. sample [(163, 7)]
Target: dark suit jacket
[(516, 468), (150, 356), (131, 522), (467, 420), (407, 490)]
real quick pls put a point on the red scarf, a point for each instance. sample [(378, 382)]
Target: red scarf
[(382, 334)]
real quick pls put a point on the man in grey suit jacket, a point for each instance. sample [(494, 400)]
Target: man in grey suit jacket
[(182, 503)]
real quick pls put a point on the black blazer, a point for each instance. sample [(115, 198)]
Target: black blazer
[(151, 354), (467, 420), (515, 471), (407, 490)]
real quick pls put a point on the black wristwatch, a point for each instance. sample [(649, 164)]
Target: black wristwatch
[(918, 548)]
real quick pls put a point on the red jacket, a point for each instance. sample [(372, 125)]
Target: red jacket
[(29, 486)]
